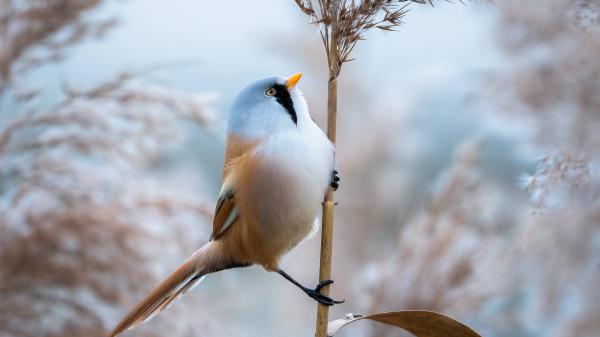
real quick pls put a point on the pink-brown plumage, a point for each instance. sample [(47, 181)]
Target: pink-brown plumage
[(278, 166)]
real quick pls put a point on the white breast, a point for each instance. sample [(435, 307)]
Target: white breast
[(295, 173)]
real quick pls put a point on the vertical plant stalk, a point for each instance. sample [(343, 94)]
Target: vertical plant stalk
[(328, 203), (341, 25)]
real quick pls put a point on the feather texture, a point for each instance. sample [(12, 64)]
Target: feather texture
[(180, 281), (275, 174), (225, 213)]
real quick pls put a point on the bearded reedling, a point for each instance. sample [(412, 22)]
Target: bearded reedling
[(278, 166)]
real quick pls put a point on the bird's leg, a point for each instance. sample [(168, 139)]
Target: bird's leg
[(335, 180), (312, 293)]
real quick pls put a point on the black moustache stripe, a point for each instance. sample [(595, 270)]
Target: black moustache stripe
[(285, 99)]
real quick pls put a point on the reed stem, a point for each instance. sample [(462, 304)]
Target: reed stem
[(328, 203)]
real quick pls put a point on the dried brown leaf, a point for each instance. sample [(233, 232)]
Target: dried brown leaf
[(420, 323)]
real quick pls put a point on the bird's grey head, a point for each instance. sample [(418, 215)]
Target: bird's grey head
[(268, 106)]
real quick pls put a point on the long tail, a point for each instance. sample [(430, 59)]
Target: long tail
[(184, 279)]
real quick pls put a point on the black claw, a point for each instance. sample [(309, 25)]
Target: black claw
[(335, 180), (323, 299), (322, 284)]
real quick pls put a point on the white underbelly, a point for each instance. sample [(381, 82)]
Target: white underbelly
[(293, 178)]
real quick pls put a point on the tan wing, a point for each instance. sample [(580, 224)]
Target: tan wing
[(236, 157), (225, 213)]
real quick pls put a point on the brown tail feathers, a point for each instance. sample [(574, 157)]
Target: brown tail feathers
[(185, 278)]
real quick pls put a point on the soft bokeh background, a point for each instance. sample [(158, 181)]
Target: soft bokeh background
[(467, 142)]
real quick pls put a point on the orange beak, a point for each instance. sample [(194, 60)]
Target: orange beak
[(292, 81)]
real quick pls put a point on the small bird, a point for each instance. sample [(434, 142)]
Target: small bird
[(278, 166)]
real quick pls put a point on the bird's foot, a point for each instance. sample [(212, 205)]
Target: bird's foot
[(322, 284), (317, 296), (335, 180)]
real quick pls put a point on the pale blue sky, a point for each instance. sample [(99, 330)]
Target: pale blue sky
[(236, 43)]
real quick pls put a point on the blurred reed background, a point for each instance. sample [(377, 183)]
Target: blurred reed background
[(466, 146)]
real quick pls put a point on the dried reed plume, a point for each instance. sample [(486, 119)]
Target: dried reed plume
[(80, 222), (34, 34), (343, 23), (564, 187), (474, 253), (563, 109), (439, 258), (81, 215)]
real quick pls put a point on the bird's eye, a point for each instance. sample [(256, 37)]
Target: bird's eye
[(271, 92)]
